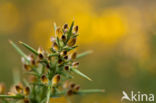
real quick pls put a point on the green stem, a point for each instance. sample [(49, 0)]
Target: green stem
[(53, 55), (14, 97), (48, 94)]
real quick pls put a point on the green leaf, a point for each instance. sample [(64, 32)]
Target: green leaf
[(14, 97), (80, 73), (19, 50), (29, 48), (80, 92), (70, 48), (55, 54), (83, 54), (70, 31), (90, 91)]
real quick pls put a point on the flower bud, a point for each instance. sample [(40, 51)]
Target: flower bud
[(66, 68), (55, 46), (64, 38), (31, 58), (27, 67), (76, 28), (71, 42), (44, 79), (48, 65), (75, 64), (40, 52), (58, 32), (69, 92), (72, 85), (63, 53), (26, 100), (56, 79), (65, 26), (66, 57), (76, 88), (2, 88), (60, 61), (73, 56), (18, 89), (26, 91)]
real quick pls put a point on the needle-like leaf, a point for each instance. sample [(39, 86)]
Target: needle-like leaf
[(29, 47), (19, 50), (80, 73), (70, 31), (90, 91), (14, 97), (80, 92), (84, 54)]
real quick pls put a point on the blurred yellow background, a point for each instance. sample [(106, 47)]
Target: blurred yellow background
[(121, 33)]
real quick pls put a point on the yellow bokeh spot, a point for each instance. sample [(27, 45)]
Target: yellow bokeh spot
[(9, 18), (58, 100), (41, 32)]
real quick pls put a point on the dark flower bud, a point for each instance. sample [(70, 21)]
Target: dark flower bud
[(26, 100), (76, 28), (40, 56), (40, 52), (72, 85), (73, 56), (75, 64), (63, 53), (18, 89), (27, 67), (66, 57), (31, 58), (69, 92), (66, 68), (48, 66), (65, 26), (63, 38), (76, 88), (71, 42), (44, 79), (26, 91), (55, 46), (60, 61), (56, 79)]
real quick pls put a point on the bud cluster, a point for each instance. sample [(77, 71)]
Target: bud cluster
[(49, 73)]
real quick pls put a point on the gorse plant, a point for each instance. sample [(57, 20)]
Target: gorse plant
[(49, 72)]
